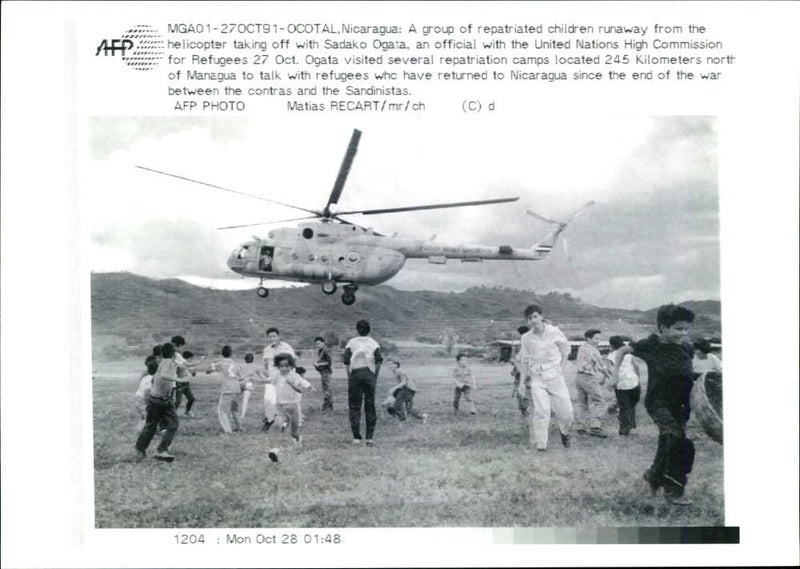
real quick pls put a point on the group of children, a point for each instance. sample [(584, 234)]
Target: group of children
[(158, 396), (539, 387)]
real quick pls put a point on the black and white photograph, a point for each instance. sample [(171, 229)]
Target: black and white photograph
[(399, 284), (439, 238)]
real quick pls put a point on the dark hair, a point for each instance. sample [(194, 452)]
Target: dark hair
[(591, 333), (669, 314), (283, 356), (522, 329), (152, 368), (319, 339), (702, 345), (167, 351), (273, 329), (178, 341), (248, 357), (300, 370), (616, 342), (362, 327), (531, 308), (187, 354), (226, 351), (157, 350), (459, 356), (150, 359)]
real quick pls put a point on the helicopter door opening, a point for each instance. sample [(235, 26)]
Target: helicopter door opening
[(265, 259)]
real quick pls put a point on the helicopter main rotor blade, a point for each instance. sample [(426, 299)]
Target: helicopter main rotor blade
[(432, 206), (268, 222), (344, 169), (316, 213)]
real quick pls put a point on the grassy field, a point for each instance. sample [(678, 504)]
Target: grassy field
[(466, 471)]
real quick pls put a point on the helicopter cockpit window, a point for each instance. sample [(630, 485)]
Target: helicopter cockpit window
[(242, 253)]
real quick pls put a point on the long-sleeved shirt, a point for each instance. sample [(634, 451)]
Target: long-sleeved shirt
[(324, 360), (669, 372), (545, 350)]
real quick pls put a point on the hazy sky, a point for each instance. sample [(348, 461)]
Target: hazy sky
[(651, 238)]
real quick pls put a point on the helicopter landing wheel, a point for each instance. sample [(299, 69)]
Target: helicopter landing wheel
[(329, 287), (262, 292), (348, 299)]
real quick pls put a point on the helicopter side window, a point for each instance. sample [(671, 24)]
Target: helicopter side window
[(265, 258), (308, 233)]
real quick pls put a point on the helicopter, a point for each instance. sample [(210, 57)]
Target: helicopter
[(332, 251)]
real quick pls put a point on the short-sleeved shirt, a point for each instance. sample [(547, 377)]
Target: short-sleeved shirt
[(402, 377), (628, 378), (165, 378), (362, 352), (710, 363), (589, 360), (271, 351), (144, 386), (252, 372), (669, 372), (289, 388), (543, 351), (230, 375)]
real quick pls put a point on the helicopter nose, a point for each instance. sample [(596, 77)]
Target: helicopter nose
[(237, 260)]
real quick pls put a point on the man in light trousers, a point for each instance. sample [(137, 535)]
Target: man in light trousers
[(543, 353)]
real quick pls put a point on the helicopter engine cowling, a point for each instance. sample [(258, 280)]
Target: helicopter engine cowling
[(369, 265)]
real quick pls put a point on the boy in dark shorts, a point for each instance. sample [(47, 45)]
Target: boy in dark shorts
[(668, 355)]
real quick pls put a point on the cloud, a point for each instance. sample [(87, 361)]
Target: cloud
[(654, 180)]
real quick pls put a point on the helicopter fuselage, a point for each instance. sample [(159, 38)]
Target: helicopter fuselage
[(318, 252)]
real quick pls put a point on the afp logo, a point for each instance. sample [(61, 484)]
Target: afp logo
[(141, 47)]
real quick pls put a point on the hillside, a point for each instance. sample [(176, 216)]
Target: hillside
[(130, 313)]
